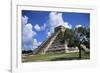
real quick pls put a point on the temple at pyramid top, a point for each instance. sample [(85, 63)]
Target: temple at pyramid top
[(60, 28)]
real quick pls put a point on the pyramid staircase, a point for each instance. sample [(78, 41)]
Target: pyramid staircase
[(42, 49)]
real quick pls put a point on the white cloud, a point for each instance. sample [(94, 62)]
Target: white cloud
[(48, 34), (43, 27), (24, 20), (27, 34), (60, 19), (67, 25), (56, 19), (36, 43), (53, 18), (77, 26), (37, 27)]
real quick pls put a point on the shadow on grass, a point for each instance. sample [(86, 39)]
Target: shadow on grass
[(72, 58)]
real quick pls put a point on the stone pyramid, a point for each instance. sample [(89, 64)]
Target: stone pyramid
[(55, 43)]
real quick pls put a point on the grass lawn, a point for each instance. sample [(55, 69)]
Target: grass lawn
[(55, 57)]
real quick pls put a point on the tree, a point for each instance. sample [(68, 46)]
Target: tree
[(83, 35)]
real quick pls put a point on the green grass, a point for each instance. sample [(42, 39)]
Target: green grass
[(55, 57)]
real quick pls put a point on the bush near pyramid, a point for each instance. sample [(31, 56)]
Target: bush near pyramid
[(58, 42)]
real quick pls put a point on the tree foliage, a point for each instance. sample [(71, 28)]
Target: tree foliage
[(83, 35), (77, 36)]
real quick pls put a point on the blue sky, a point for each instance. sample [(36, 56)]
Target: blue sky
[(39, 25)]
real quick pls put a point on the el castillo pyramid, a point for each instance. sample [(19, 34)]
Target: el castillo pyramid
[(54, 43)]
